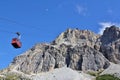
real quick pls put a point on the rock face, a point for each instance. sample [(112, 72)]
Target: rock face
[(111, 44), (110, 34), (86, 58), (75, 36), (40, 58), (76, 49)]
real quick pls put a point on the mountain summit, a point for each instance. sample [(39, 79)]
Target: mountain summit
[(76, 36), (110, 34)]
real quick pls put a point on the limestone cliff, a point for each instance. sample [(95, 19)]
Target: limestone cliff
[(76, 49), (80, 50)]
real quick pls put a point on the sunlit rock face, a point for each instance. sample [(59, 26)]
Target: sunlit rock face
[(74, 48)]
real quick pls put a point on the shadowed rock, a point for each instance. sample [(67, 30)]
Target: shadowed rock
[(111, 44)]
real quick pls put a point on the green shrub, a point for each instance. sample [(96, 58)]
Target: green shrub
[(95, 73), (107, 77), (92, 73)]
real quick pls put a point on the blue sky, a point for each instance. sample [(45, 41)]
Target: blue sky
[(43, 20)]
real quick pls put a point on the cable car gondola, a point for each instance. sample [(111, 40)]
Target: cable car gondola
[(16, 41)]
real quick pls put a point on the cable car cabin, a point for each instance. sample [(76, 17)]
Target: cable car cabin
[(16, 43)]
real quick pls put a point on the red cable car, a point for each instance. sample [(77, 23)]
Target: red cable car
[(16, 41)]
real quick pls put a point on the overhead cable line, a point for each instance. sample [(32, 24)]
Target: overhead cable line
[(7, 31), (15, 22)]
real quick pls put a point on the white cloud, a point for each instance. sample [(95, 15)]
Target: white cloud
[(81, 10), (104, 25)]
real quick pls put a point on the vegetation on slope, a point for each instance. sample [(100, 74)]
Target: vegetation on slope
[(13, 77), (107, 77)]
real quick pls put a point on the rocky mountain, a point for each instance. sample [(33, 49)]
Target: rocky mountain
[(73, 48), (80, 50)]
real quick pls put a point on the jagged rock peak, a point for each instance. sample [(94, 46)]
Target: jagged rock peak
[(76, 36), (110, 34), (111, 44)]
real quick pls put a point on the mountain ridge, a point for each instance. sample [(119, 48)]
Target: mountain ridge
[(80, 50)]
